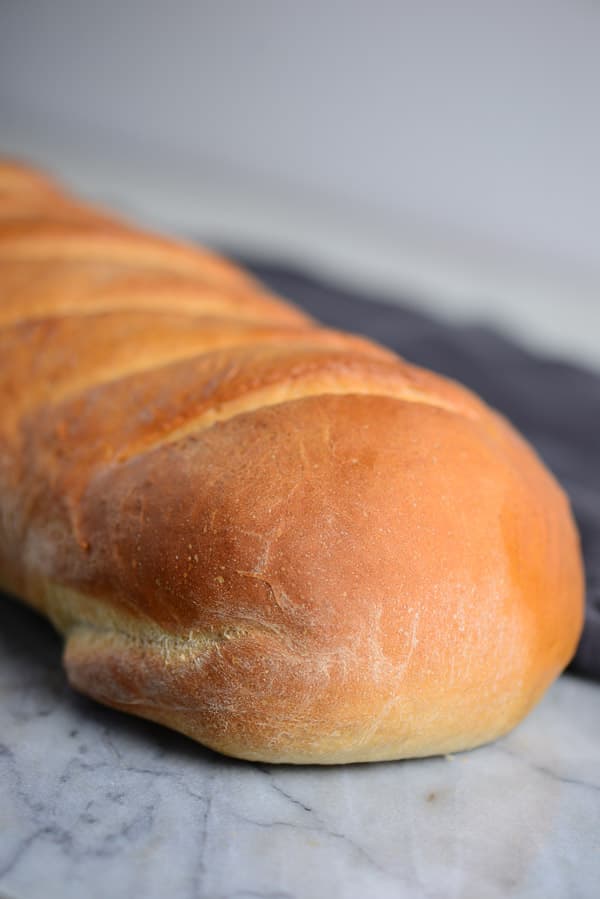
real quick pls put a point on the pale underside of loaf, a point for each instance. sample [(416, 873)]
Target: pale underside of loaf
[(279, 539)]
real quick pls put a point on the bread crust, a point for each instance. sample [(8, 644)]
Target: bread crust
[(280, 540)]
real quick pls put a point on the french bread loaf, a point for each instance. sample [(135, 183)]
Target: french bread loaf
[(282, 540)]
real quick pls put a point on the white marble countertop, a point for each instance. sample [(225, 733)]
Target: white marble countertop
[(95, 804)]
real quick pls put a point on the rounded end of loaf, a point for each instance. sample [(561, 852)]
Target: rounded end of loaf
[(293, 555), (377, 579)]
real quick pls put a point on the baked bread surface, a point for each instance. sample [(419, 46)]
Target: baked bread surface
[(279, 539)]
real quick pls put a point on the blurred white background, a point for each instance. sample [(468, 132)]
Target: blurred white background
[(448, 151)]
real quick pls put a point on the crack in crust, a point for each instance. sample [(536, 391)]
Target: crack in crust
[(285, 393), (73, 613)]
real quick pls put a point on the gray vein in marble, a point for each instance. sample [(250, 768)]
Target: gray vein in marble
[(548, 772)]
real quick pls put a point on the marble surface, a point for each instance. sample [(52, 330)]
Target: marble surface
[(94, 803)]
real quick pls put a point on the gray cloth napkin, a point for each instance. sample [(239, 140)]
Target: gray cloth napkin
[(555, 404)]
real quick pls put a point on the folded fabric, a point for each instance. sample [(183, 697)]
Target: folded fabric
[(555, 404)]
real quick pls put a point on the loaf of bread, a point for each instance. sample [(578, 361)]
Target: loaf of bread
[(281, 540)]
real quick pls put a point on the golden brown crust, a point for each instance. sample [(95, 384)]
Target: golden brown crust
[(281, 540), (31, 289)]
